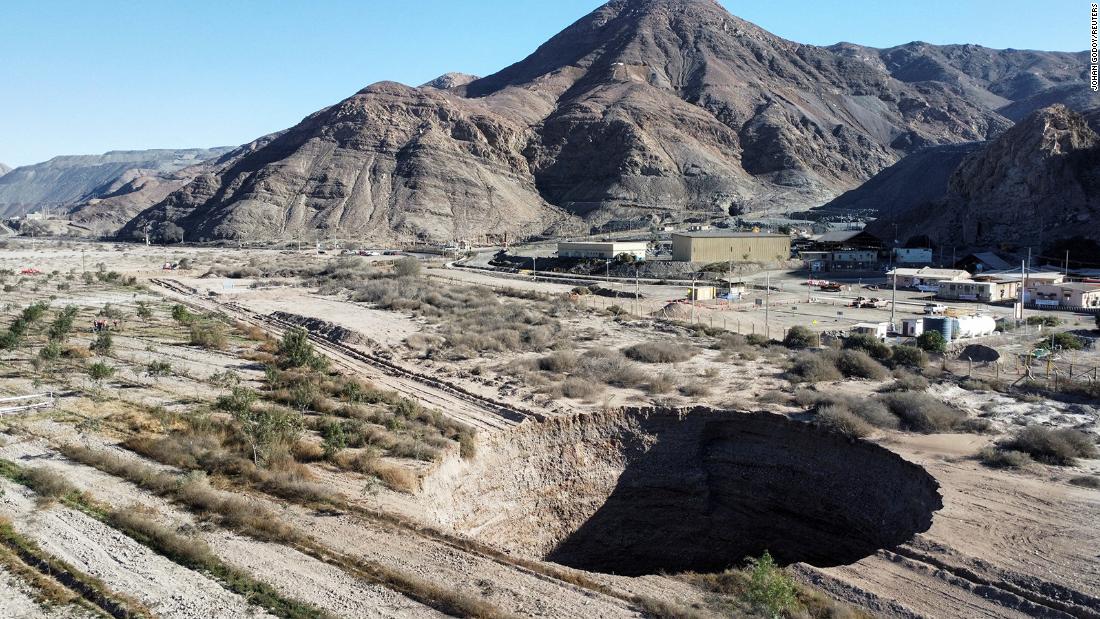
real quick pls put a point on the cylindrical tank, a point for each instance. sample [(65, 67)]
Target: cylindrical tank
[(944, 325), (975, 326)]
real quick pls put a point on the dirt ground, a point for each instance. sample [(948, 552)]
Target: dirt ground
[(1006, 542)]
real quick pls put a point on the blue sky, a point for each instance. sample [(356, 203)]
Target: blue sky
[(80, 76)]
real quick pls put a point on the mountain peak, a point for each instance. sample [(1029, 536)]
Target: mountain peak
[(450, 80)]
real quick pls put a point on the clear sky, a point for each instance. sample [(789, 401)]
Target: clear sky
[(87, 76)]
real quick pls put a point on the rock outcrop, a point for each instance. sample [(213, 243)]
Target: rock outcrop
[(1036, 184), (450, 80), (4, 169), (63, 182), (641, 108)]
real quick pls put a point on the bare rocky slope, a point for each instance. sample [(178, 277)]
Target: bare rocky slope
[(450, 80), (1036, 184), (641, 107), (65, 181)]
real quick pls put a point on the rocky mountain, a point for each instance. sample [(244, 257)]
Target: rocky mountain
[(641, 108), (450, 80), (4, 169), (915, 180), (119, 201), (65, 181), (1035, 185)]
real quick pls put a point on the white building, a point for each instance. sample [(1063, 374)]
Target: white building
[(926, 276), (602, 249), (913, 255)]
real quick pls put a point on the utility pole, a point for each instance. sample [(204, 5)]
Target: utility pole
[(1023, 286), (637, 292), (691, 297), (1066, 271), (894, 287), (767, 304), (535, 267)]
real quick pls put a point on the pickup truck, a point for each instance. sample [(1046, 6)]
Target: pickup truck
[(935, 309)]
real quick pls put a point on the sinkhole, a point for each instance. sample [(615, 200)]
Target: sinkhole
[(649, 490)]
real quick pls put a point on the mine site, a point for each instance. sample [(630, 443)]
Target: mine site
[(629, 309)]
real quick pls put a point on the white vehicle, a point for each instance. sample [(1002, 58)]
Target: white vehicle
[(935, 309)]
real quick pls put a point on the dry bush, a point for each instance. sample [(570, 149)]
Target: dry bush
[(48, 484), (560, 362), (611, 368), (185, 549), (920, 412), (1086, 481), (858, 364), (580, 388), (396, 478), (842, 421), (1053, 446), (661, 383), (305, 450), (208, 334), (869, 344), (660, 352), (1003, 458), (695, 389), (814, 367), (801, 337), (908, 381)]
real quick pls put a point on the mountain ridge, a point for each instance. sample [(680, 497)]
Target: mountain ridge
[(654, 108)]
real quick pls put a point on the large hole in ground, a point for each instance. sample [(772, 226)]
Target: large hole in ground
[(642, 491)]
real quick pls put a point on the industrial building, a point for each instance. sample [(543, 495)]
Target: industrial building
[(844, 250), (913, 255), (926, 276), (1065, 294), (724, 245), (986, 290), (602, 249)]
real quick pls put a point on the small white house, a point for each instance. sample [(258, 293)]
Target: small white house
[(912, 327), (877, 329)]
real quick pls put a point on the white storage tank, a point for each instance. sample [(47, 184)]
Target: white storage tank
[(975, 326)]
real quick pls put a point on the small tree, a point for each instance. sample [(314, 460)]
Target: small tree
[(143, 311), (268, 429), (295, 351), (334, 439), (102, 344), (100, 372), (801, 337), (932, 341), (181, 315), (407, 267), (770, 589)]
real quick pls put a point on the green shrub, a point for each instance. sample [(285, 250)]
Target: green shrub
[(858, 364), (869, 344), (1053, 446), (158, 368), (801, 337), (770, 590), (1066, 341), (100, 371), (102, 344), (909, 356), (756, 339), (181, 315), (932, 341), (333, 439), (1044, 320)]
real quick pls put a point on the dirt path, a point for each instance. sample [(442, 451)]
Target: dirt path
[(168, 589), (292, 573)]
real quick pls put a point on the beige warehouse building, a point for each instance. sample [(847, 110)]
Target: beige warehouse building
[(724, 245)]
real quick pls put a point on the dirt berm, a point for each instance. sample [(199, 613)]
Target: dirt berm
[(644, 490)]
